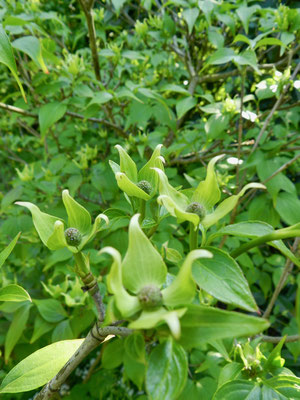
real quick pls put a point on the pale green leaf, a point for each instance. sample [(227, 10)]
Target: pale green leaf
[(127, 304), (127, 165), (7, 58), (247, 57), (51, 310), (222, 278), (147, 173), (78, 216), (49, 114), (175, 210), (167, 371), (16, 329), (150, 319), (40, 367), (207, 192), (14, 293), (57, 240), (245, 13), (142, 265), (129, 187), (227, 205), (182, 289), (8, 249), (32, 47), (44, 223)]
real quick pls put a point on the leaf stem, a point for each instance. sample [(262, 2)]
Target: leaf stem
[(193, 236), (264, 239), (142, 210)]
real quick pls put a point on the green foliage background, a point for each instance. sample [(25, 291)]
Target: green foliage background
[(202, 77)]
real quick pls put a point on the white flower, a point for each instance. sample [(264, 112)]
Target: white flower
[(249, 115)]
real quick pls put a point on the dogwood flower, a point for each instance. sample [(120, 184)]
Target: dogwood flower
[(197, 205), (56, 234), (138, 283), (142, 184)]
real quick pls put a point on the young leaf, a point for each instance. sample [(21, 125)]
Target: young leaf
[(14, 293), (51, 310), (167, 371), (32, 47), (8, 249), (40, 367), (221, 56), (49, 114), (222, 278), (7, 58), (183, 106), (190, 15), (127, 165)]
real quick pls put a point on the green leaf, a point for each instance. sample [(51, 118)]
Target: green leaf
[(184, 105), (167, 371), (182, 289), (142, 265), (222, 278), (40, 328), (118, 4), (250, 229), (78, 216), (51, 310), (239, 390), (58, 240), (100, 98), (288, 206), (127, 165), (16, 329), (202, 324), (49, 114), (7, 58), (14, 293), (44, 223), (32, 47), (207, 192), (190, 15), (40, 367), (113, 354), (269, 41), (8, 249), (221, 56), (230, 372), (288, 386), (247, 57), (245, 13), (135, 347)]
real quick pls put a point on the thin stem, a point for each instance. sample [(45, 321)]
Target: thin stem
[(277, 339), (193, 236), (277, 235), (142, 209), (95, 336), (285, 273)]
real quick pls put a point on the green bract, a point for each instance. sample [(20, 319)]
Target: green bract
[(51, 229), (206, 194), (143, 268), (142, 184)]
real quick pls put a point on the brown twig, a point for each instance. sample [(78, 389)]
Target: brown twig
[(277, 339), (285, 273)]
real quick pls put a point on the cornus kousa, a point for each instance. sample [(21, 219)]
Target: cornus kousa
[(56, 234), (197, 205), (141, 184), (139, 283)]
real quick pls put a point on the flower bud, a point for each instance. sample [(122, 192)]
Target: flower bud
[(196, 208), (73, 237), (150, 297), (145, 186)]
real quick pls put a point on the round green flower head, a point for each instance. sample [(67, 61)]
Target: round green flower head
[(196, 208), (145, 186), (73, 237), (150, 297)]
